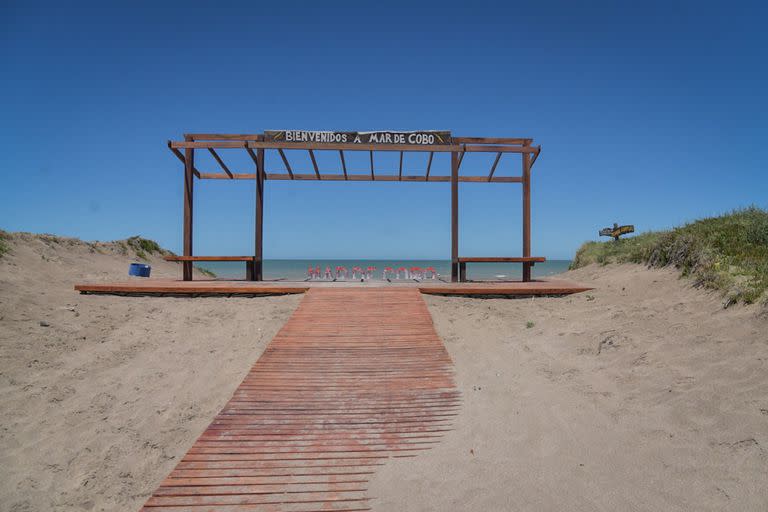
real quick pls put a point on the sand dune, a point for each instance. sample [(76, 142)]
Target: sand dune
[(642, 395), (101, 395)]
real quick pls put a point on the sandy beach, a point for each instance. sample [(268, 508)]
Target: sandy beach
[(102, 395), (644, 394)]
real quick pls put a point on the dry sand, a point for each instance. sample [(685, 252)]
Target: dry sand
[(642, 395), (101, 400)]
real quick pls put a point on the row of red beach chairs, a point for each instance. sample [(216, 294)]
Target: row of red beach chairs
[(389, 273)]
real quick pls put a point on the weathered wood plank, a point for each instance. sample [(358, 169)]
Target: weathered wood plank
[(208, 258), (379, 177), (295, 368), (502, 259), (155, 286)]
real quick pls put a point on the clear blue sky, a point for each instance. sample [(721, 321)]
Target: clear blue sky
[(652, 114)]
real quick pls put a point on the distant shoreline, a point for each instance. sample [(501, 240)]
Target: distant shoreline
[(296, 269)]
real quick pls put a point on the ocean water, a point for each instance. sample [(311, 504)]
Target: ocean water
[(296, 270)]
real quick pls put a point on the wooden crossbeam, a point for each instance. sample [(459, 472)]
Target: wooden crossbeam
[(495, 163), (359, 177), (330, 176), (491, 140), (314, 163), (343, 163), (429, 163), (438, 148), (502, 259), (221, 162), (367, 177), (285, 161), (471, 148), (224, 136), (208, 258), (235, 176), (227, 144), (444, 148), (183, 160), (260, 137)]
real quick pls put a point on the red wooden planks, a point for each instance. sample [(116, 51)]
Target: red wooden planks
[(355, 376), (157, 286)]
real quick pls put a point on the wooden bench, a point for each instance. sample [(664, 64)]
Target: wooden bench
[(250, 264), (527, 261)]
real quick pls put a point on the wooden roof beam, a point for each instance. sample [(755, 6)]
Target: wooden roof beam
[(223, 144), (235, 176), (438, 148), (367, 177), (183, 160), (224, 136), (285, 162), (444, 148), (495, 163), (221, 162), (471, 148), (492, 140), (260, 137), (314, 163)]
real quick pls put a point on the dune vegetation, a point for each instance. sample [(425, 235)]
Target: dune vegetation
[(728, 253), (3, 243)]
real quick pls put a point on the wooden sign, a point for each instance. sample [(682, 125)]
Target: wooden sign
[(419, 138), (616, 231)]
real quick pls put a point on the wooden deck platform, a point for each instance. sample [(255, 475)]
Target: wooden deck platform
[(330, 400), (219, 287)]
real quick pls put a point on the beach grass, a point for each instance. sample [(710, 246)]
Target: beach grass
[(728, 253), (205, 271), (143, 247), (4, 247)]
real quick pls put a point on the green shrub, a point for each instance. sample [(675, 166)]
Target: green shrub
[(727, 253), (4, 246), (144, 247)]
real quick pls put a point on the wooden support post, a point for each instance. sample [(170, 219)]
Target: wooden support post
[(454, 217), (189, 188), (526, 215), (256, 274)]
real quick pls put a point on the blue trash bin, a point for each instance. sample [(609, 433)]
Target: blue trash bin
[(139, 270)]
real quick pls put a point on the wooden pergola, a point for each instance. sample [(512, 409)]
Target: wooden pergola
[(257, 145)]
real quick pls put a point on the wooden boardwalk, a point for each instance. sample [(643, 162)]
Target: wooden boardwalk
[(220, 287), (354, 377)]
